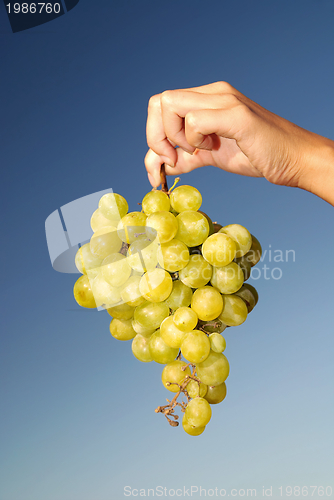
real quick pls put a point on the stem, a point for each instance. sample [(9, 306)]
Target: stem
[(164, 186)]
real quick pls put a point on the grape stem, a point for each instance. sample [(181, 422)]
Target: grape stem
[(164, 185), (168, 410)]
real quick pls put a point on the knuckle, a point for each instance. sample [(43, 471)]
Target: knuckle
[(166, 98), (224, 87), (154, 101), (191, 121)]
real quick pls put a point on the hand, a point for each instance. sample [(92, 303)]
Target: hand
[(217, 125)]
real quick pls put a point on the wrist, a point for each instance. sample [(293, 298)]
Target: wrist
[(317, 167)]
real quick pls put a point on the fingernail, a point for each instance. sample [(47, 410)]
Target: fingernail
[(189, 151), (172, 166), (168, 161)]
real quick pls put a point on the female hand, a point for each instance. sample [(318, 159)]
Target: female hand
[(217, 125)]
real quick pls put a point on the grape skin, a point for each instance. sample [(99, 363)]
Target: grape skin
[(160, 351), (173, 373), (140, 348), (214, 370), (195, 346), (216, 394), (198, 412), (207, 303), (197, 272), (193, 228), (185, 198), (83, 293)]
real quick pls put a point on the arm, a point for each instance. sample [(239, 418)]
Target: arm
[(227, 130)]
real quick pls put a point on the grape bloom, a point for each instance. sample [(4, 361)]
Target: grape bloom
[(172, 281)]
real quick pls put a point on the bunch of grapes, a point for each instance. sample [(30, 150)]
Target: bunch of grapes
[(172, 281)]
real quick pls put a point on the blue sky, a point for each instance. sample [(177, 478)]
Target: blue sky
[(77, 419)]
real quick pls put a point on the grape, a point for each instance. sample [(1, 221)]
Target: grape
[(105, 241), (216, 227), (198, 412), (156, 285), (162, 225), (130, 226), (234, 312), (173, 255), (193, 228), (155, 201), (219, 249), (160, 351), (170, 333), (185, 198), (130, 292), (195, 389), (145, 331), (122, 311), (83, 293), (143, 254), (227, 279), (241, 235), (98, 221), (245, 266), (86, 261), (214, 369), (217, 342), (195, 346), (105, 295), (214, 326), (151, 314), (207, 303), (180, 295), (113, 206), (121, 329), (116, 269), (197, 272), (216, 394), (255, 252), (249, 294), (211, 228), (140, 348), (191, 429), (174, 374), (185, 319)]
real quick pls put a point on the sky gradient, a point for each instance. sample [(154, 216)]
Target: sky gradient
[(77, 417)]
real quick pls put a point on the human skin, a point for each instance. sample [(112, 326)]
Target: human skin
[(217, 125)]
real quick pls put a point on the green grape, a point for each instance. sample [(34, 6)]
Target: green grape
[(214, 326), (245, 266), (161, 225), (143, 254), (105, 241), (255, 252), (142, 330), (170, 333), (86, 262), (140, 348), (214, 369), (156, 285), (219, 249), (113, 206), (227, 279), (191, 429), (130, 226), (198, 412), (173, 255), (98, 221), (121, 329), (195, 389), (180, 295), (207, 303), (241, 235), (234, 312), (173, 374), (122, 311), (105, 295), (160, 351), (115, 269), (130, 292), (217, 342), (195, 346), (216, 394), (185, 198), (155, 201), (193, 228), (249, 294), (211, 228), (83, 293), (197, 272), (185, 319), (151, 314)]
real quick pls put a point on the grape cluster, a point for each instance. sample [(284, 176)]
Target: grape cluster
[(172, 281)]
